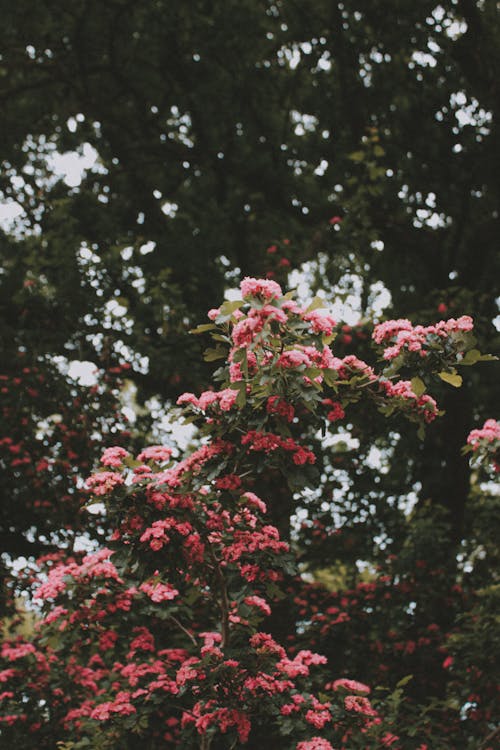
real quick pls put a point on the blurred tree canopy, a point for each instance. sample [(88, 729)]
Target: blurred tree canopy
[(222, 128)]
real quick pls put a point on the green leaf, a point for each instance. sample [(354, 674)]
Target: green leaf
[(330, 377), (228, 307), (327, 340), (219, 337), (404, 681), (211, 355), (417, 386), (451, 378), (316, 304), (472, 356), (356, 156), (202, 328)]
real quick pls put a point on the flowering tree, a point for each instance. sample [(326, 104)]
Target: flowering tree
[(53, 430), (169, 633)]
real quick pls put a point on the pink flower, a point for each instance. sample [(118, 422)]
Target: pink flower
[(315, 743), (320, 322), (303, 456), (103, 482), (187, 398), (464, 323), (490, 431), (255, 502), (336, 411), (159, 592), (294, 358), (157, 453), (390, 328), (276, 405), (114, 456), (244, 332), (359, 704), (346, 684), (260, 288), (227, 398), (12, 653), (257, 601)]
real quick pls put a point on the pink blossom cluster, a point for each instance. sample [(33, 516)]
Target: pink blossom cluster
[(335, 410), (205, 715), (246, 329), (247, 542), (294, 358), (235, 369), (259, 603), (104, 482), (260, 288), (269, 442), (208, 533), (486, 442), (346, 684), (402, 389), (95, 565), (489, 432), (360, 704), (225, 399), (17, 651), (320, 322), (255, 502), (315, 743), (173, 477), (157, 453), (280, 407), (159, 592), (120, 705), (228, 482), (416, 338), (114, 456), (159, 533)]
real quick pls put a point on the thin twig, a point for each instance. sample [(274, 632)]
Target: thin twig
[(190, 635)]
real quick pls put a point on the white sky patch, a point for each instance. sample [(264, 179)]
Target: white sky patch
[(170, 209), (84, 543), (380, 298), (424, 59), (181, 434), (321, 168), (469, 112), (344, 308), (9, 212), (113, 307), (71, 166), (83, 372), (375, 459), (456, 29), (291, 55), (147, 248)]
